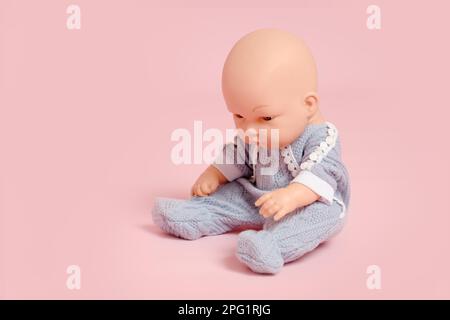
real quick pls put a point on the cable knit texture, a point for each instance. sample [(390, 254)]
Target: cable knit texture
[(232, 205)]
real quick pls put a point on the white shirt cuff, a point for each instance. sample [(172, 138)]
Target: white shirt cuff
[(316, 184)]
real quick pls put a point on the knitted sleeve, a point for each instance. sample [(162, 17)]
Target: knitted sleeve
[(319, 165), (233, 162)]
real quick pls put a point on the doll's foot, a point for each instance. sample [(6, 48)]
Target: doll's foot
[(192, 219), (172, 217), (259, 251)]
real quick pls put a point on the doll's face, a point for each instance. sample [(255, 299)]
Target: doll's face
[(274, 110), (268, 82)]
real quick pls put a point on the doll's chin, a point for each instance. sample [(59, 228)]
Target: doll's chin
[(267, 145)]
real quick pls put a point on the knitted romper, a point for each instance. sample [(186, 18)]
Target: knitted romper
[(313, 159)]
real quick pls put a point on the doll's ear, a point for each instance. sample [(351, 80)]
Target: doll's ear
[(311, 101)]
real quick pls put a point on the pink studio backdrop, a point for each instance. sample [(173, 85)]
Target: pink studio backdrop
[(85, 123)]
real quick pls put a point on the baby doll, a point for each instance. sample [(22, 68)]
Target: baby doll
[(269, 82)]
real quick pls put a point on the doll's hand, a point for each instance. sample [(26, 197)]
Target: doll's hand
[(208, 182), (282, 201), (278, 202)]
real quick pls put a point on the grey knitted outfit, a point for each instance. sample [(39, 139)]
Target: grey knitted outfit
[(313, 159)]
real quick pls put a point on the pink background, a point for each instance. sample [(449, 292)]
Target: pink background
[(85, 124)]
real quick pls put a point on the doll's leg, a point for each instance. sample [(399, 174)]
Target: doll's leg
[(288, 239), (226, 209)]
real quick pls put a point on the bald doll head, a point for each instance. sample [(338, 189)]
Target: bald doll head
[(269, 81)]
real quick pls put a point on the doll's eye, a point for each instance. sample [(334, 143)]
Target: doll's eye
[(238, 116), (267, 118)]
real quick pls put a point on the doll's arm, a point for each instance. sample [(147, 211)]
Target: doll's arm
[(208, 182), (233, 162), (319, 169), (281, 201), (230, 165)]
